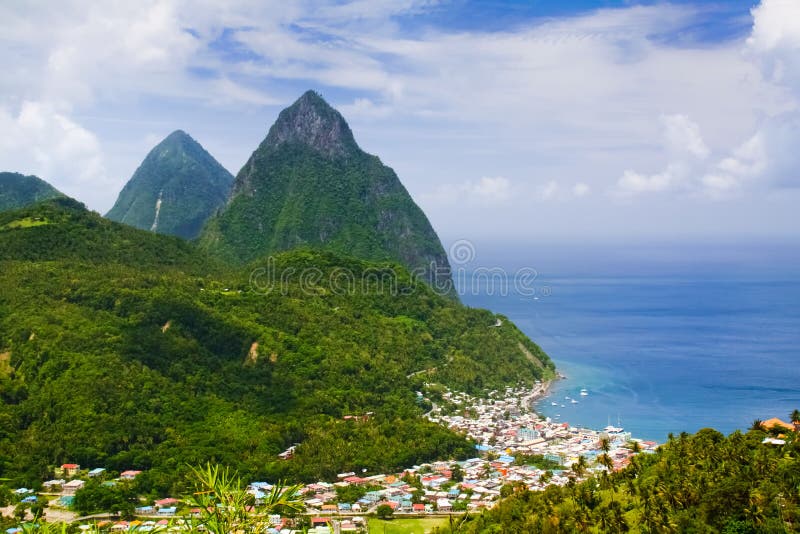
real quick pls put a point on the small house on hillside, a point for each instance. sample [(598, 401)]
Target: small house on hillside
[(769, 424), (70, 470), (54, 485), (72, 487)]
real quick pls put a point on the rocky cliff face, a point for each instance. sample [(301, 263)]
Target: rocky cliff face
[(175, 189), (309, 184), (312, 122)]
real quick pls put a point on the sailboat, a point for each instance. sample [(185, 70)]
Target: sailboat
[(584, 392)]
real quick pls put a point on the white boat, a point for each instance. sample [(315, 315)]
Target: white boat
[(584, 392), (573, 401), (554, 403), (563, 406)]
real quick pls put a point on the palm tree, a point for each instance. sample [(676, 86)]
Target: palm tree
[(758, 424), (795, 416), (579, 467), (224, 502), (457, 523)]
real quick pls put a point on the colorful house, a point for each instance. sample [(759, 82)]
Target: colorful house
[(70, 470)]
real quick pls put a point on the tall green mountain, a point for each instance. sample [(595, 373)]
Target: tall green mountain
[(17, 190), (309, 184), (126, 349), (175, 189)]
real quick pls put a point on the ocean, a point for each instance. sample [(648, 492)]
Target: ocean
[(663, 354)]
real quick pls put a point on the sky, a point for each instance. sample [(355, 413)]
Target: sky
[(537, 121)]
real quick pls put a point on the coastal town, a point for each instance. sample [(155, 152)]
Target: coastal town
[(514, 446)]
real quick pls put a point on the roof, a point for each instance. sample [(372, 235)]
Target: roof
[(70, 466), (772, 423)]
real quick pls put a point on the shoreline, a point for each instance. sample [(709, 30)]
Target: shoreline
[(542, 390)]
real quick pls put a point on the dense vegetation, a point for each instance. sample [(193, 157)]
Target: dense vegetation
[(701, 483), (124, 349), (17, 190), (309, 184), (175, 189)]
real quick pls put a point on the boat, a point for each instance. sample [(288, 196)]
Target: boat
[(554, 403), (562, 406), (573, 401), (584, 392)]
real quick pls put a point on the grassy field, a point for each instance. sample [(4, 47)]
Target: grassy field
[(27, 222), (422, 525)]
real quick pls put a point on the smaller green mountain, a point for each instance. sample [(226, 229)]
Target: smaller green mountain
[(175, 189), (18, 190)]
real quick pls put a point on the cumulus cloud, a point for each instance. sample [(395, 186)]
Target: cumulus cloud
[(549, 190), (657, 120), (486, 191), (494, 189), (683, 136), (684, 144), (633, 182), (775, 39), (580, 189), (366, 108), (39, 140)]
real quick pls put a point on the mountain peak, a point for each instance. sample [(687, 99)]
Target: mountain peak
[(312, 122), (175, 189), (179, 135), (310, 185)]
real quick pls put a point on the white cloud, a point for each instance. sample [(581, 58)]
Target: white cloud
[(775, 39), (684, 145), (365, 108), (683, 136), (434, 101), (486, 191), (549, 190), (633, 183), (580, 189), (492, 189), (40, 140)]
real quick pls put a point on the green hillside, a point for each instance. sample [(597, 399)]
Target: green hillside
[(17, 190), (126, 349), (701, 483)]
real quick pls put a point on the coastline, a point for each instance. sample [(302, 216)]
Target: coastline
[(542, 390)]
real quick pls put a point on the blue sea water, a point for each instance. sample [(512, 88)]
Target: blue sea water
[(664, 354)]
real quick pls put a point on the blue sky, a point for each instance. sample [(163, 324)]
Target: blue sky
[(531, 122)]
